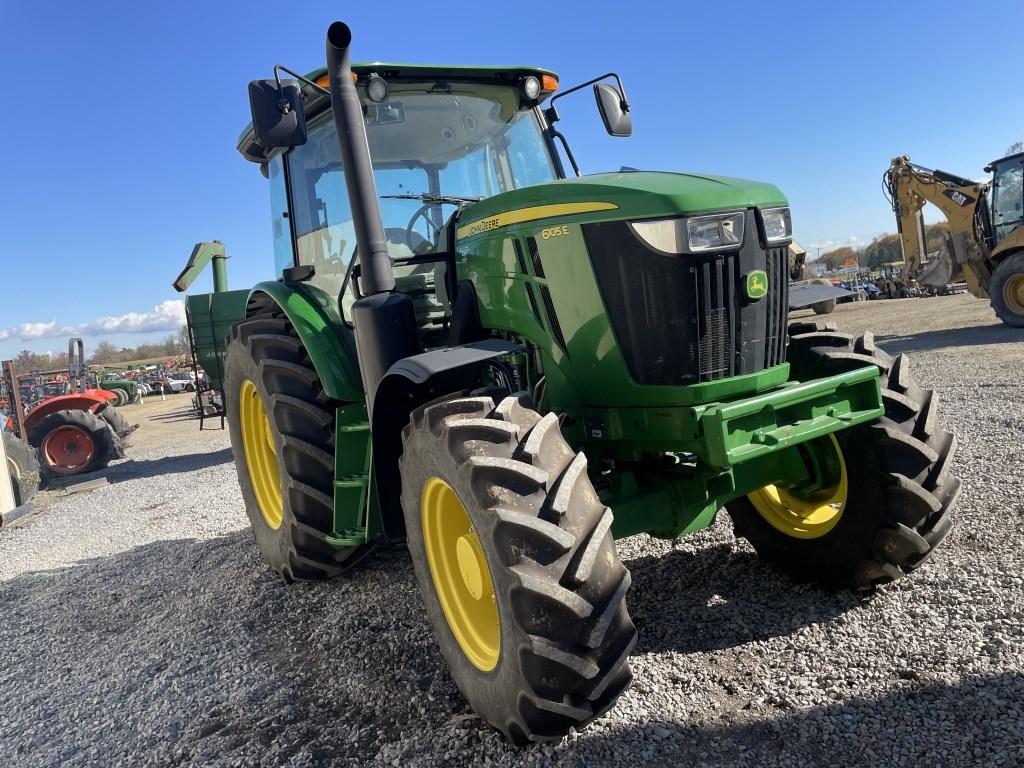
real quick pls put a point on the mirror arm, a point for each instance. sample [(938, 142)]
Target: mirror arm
[(279, 68), (624, 103)]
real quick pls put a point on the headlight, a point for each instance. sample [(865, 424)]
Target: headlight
[(709, 233), (719, 232), (777, 224)]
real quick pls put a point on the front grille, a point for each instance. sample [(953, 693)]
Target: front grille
[(713, 349), (686, 319), (776, 306)]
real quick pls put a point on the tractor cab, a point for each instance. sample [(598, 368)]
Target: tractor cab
[(1007, 194), (440, 139)]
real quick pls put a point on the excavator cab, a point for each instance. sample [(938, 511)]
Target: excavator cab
[(1007, 195)]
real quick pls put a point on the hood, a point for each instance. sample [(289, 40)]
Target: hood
[(626, 194)]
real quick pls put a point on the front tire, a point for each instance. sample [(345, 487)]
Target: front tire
[(900, 490), (1006, 290), (282, 436), (515, 560)]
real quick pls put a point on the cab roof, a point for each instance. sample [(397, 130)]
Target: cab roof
[(492, 75)]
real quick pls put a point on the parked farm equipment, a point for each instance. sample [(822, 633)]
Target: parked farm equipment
[(76, 432), (467, 350), (125, 390), (806, 292), (209, 319)]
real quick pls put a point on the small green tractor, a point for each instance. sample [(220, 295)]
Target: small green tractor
[(473, 351), (126, 390)]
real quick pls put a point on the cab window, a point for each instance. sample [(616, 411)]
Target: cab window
[(432, 150)]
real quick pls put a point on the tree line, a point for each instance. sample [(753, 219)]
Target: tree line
[(883, 249), (105, 353)]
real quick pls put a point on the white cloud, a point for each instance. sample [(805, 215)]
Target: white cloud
[(30, 331), (166, 316)]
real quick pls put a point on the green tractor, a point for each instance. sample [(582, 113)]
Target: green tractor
[(126, 390), (472, 351)]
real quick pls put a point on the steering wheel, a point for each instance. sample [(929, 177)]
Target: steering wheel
[(421, 213)]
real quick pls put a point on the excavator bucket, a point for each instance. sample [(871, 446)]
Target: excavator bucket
[(938, 272)]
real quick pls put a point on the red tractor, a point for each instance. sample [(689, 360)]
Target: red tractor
[(76, 432)]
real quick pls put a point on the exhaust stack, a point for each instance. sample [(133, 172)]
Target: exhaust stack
[(384, 320), (377, 276)]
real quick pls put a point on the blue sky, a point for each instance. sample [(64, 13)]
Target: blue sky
[(120, 124)]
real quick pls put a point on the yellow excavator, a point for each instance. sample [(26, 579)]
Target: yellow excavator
[(985, 243)]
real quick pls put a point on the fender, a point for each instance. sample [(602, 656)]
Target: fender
[(1011, 243), (408, 384), (81, 401), (102, 394), (329, 342)]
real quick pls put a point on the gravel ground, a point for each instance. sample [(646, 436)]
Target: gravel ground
[(139, 626)]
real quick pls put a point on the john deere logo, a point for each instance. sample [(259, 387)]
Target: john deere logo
[(757, 284)]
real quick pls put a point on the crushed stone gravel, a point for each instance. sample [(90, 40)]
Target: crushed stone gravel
[(139, 627)]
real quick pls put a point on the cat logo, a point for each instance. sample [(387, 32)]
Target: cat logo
[(757, 284), (958, 197)]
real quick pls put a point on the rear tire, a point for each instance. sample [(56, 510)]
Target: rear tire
[(266, 351), (561, 655), (1006, 291), (23, 465), (122, 397), (73, 443), (901, 487)]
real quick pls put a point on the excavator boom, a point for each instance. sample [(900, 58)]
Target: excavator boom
[(991, 262), (964, 203)]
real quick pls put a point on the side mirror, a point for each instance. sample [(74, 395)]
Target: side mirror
[(614, 110), (278, 118)]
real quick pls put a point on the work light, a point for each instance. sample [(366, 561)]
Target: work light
[(377, 88), (531, 87)]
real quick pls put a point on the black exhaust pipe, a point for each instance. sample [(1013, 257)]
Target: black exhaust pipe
[(377, 276), (384, 320)]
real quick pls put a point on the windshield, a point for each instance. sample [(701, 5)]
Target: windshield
[(434, 147), (431, 151), (1008, 197)]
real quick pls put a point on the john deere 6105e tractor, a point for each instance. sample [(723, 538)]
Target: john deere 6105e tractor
[(509, 369)]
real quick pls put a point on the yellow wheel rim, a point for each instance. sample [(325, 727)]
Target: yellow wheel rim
[(1013, 293), (260, 455), (461, 577), (806, 517)]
